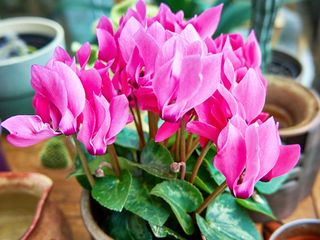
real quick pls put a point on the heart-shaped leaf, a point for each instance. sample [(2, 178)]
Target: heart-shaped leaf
[(128, 138), (145, 205), (203, 180), (156, 160), (164, 232), (272, 186), (127, 226), (112, 192), (257, 203), (183, 198), (225, 219)]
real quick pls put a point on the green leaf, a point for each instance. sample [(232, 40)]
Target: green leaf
[(93, 166), (127, 226), (257, 203), (145, 205), (163, 232), (272, 186), (203, 179), (208, 162), (112, 192), (128, 138), (183, 198), (156, 160), (225, 219)]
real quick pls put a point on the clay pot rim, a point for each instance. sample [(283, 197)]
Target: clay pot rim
[(90, 223), (303, 126), (293, 224), (45, 185)]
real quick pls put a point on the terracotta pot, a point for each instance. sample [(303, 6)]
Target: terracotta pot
[(303, 229), (87, 213), (25, 212), (297, 110)]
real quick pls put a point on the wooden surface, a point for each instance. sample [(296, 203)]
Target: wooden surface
[(66, 192)]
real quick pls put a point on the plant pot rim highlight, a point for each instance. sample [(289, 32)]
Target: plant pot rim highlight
[(90, 223), (39, 26), (293, 224), (36, 183), (310, 98)]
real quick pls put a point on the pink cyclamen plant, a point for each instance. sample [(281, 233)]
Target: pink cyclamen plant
[(204, 90)]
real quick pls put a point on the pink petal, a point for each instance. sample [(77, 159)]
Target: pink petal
[(288, 158), (206, 24), (105, 24), (26, 130), (91, 81), (252, 51), (74, 88), (40, 104), (126, 42), (119, 112), (231, 157), (166, 130), (250, 88), (43, 81), (245, 188), (204, 130), (268, 139), (107, 45), (61, 55), (83, 54)]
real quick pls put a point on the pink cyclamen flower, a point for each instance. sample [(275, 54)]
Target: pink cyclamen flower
[(249, 153), (186, 74), (59, 101), (102, 121), (213, 115)]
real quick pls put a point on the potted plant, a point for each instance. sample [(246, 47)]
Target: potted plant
[(23, 41), (192, 172)]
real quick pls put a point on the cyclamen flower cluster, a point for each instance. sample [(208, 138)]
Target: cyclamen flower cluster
[(171, 67)]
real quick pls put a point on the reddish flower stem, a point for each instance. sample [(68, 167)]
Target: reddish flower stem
[(212, 196), (199, 161), (84, 163), (114, 160)]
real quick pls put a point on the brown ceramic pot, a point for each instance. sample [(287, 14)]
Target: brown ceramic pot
[(302, 229), (297, 110), (25, 212), (88, 218)]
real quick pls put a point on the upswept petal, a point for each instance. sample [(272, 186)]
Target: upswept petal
[(166, 130), (91, 81), (207, 23), (26, 130), (83, 54), (252, 51), (288, 158), (204, 130), (107, 45), (231, 157), (119, 112), (250, 87)]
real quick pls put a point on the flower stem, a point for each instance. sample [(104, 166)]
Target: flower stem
[(84, 163), (193, 147), (138, 127), (153, 124), (114, 160), (189, 142), (182, 148), (212, 196), (203, 153), (177, 150)]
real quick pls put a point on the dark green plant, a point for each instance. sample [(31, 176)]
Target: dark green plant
[(262, 21)]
